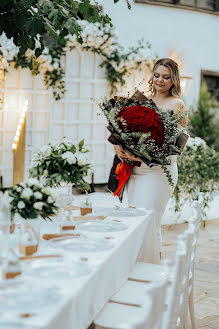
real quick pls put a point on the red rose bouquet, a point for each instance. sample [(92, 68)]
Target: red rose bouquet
[(145, 131)]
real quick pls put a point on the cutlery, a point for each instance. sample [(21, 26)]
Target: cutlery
[(54, 236), (73, 208), (88, 217), (67, 227), (39, 257)]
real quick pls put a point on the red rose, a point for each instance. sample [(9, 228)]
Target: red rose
[(142, 119)]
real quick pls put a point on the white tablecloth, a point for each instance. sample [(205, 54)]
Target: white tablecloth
[(83, 298)]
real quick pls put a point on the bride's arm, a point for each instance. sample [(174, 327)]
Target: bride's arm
[(131, 157), (119, 152), (179, 108), (124, 154)]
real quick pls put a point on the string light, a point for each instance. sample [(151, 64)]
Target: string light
[(20, 125)]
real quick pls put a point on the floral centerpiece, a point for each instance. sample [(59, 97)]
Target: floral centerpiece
[(197, 172), (62, 162), (31, 200), (144, 130)]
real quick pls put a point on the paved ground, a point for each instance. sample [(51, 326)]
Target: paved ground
[(206, 286)]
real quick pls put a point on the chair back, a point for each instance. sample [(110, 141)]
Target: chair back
[(182, 277), (179, 283), (193, 227), (156, 293)]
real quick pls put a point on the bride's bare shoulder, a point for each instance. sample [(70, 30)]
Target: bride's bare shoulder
[(177, 102), (178, 106)]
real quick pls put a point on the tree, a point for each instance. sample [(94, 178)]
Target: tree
[(203, 122), (34, 34), (28, 20)]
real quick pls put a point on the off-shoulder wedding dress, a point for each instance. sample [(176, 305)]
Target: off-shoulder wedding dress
[(149, 188)]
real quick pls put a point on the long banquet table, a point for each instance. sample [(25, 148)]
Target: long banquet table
[(81, 298)]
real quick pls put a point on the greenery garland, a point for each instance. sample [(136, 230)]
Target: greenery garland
[(197, 172), (54, 27)]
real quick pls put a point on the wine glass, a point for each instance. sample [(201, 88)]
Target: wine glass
[(64, 199)]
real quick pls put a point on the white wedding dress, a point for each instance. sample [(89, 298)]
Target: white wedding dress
[(149, 188)]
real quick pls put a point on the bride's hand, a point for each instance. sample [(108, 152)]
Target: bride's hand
[(131, 157), (119, 152)]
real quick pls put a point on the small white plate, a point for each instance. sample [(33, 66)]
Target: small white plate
[(55, 270), (123, 212), (101, 227), (86, 246), (28, 299)]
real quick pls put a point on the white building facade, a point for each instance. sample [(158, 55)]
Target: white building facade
[(188, 34), (186, 30)]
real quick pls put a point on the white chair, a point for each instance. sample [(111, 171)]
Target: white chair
[(146, 272), (148, 316), (177, 293), (119, 315), (194, 225), (131, 292)]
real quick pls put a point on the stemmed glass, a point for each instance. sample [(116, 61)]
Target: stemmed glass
[(65, 199)]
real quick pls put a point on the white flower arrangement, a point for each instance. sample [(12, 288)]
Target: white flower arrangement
[(195, 142), (26, 193), (104, 41), (95, 36), (30, 199), (61, 162), (8, 50)]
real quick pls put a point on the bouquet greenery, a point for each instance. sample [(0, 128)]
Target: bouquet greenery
[(31, 199), (198, 172), (144, 130), (62, 162)]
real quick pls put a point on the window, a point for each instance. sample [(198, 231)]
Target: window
[(212, 81), (202, 5)]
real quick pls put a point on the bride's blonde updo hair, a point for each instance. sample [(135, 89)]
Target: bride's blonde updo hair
[(174, 70)]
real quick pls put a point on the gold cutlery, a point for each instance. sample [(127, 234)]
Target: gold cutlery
[(54, 236), (39, 257), (88, 217)]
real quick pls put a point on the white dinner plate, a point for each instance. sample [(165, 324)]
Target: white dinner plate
[(28, 299), (55, 270), (85, 246), (123, 212), (101, 226)]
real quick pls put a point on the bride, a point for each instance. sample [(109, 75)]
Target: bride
[(149, 187)]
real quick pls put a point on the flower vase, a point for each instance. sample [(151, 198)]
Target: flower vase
[(65, 197)]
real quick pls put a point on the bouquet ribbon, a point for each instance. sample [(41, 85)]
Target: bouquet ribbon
[(123, 172)]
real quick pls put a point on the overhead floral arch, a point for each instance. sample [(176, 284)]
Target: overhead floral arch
[(37, 34)]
